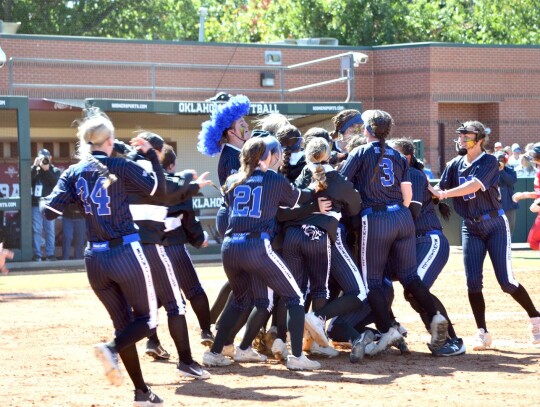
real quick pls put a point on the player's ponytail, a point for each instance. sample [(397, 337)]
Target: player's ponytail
[(250, 155), (290, 139), (317, 154), (92, 131), (379, 124)]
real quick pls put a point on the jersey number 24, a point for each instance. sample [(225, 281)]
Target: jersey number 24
[(99, 196)]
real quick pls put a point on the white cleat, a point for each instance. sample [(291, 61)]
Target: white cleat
[(438, 330), (215, 359), (228, 350), (109, 359), (390, 338), (358, 349), (482, 340), (279, 349), (301, 363), (315, 327), (248, 355), (319, 350), (535, 329)]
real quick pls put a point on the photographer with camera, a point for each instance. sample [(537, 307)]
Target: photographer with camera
[(44, 178)]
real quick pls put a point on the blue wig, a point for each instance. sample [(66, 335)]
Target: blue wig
[(221, 119)]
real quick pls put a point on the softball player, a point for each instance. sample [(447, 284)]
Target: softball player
[(432, 247), (314, 250), (149, 213), (471, 179), (380, 174), (225, 133), (294, 159), (181, 227), (117, 268), (254, 195)]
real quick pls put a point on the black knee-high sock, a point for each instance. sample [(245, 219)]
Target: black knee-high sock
[(154, 339), (130, 358), (220, 303), (179, 334), (442, 310), (307, 303), (522, 297), (295, 324), (229, 318), (380, 309), (418, 308), (244, 315), (318, 303), (343, 332), (281, 320), (420, 292), (201, 308), (478, 307), (132, 334), (340, 306), (254, 323)]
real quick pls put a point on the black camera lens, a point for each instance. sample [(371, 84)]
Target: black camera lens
[(45, 161)]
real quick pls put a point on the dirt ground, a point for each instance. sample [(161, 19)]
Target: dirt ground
[(49, 322)]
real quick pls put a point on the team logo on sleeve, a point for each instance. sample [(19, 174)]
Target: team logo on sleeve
[(313, 232)]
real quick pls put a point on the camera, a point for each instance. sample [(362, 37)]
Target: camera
[(44, 160)]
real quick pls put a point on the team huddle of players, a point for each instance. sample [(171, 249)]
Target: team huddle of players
[(315, 228)]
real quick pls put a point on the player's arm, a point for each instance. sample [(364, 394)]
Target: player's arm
[(518, 196), (469, 187), (406, 192)]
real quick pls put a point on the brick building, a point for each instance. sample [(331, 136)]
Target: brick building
[(426, 87)]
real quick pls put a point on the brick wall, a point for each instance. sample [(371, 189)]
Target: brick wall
[(421, 85)]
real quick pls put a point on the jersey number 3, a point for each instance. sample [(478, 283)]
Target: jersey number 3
[(243, 194), (99, 196), (387, 167)]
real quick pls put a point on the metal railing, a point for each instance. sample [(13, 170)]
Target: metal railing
[(348, 61)]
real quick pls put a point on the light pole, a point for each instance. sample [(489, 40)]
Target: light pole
[(203, 11)]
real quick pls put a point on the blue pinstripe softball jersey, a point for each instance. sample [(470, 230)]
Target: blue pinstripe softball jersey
[(427, 220), (253, 204), (485, 169), (384, 187), (229, 162), (106, 209)]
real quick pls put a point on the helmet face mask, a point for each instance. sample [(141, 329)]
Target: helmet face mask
[(469, 127)]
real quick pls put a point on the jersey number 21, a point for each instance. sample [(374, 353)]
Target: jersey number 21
[(243, 194)]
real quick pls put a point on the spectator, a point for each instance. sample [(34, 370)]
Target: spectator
[(507, 179), (44, 176), (427, 171), (525, 168), (74, 230), (514, 158), (498, 146)]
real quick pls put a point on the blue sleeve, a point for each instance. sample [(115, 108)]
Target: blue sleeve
[(406, 172), (53, 205), (288, 194), (446, 177), (487, 172), (350, 166), (138, 179), (419, 182)]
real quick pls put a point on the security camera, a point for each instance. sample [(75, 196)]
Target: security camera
[(359, 58), (2, 58)]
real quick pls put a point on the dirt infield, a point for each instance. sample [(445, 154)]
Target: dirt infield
[(49, 323)]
